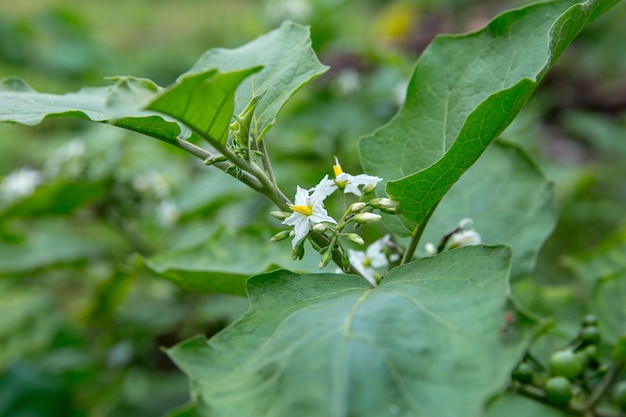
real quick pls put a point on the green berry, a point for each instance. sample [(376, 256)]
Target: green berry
[(558, 390), (590, 320), (619, 393), (523, 373), (590, 335), (566, 363)]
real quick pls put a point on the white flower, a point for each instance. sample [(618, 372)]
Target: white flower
[(367, 262), (465, 238), (350, 183), (430, 248), (309, 210), (21, 182)]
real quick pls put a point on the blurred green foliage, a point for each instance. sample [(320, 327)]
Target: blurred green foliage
[(82, 323)]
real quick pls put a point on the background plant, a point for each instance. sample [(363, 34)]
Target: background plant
[(123, 185)]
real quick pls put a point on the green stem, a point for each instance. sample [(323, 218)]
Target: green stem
[(604, 384), (415, 238), (266, 160)]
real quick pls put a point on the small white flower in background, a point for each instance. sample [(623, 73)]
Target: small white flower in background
[(152, 182), (348, 81), (351, 183), (298, 10), (373, 258), (21, 182), (309, 210), (466, 236), (430, 248), (167, 213), (67, 159)]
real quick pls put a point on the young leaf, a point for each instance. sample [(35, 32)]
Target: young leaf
[(203, 101), (288, 63), (431, 340), (464, 91)]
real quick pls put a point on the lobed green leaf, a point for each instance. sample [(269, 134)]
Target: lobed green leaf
[(431, 340)]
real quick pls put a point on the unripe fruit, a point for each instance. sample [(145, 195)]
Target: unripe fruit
[(590, 335), (523, 373), (619, 394), (566, 363), (558, 390), (590, 320)]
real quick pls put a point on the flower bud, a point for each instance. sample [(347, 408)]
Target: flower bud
[(357, 207), (320, 228), (354, 238), (280, 236), (298, 251), (364, 218), (384, 203), (280, 215), (326, 257), (369, 188), (345, 262)]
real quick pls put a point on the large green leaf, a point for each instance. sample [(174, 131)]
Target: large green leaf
[(515, 405), (224, 261), (288, 63), (464, 91), (510, 201), (119, 104), (203, 101), (431, 340)]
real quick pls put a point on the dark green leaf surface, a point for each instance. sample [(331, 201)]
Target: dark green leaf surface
[(429, 341), (120, 104), (464, 91), (288, 63), (606, 260), (203, 101), (609, 306), (510, 201)]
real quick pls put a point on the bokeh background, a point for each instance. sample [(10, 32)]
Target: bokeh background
[(82, 322)]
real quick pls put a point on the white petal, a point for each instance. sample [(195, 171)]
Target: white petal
[(302, 197), (301, 229)]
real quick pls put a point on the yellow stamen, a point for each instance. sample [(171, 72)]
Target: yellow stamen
[(306, 210), (337, 168)]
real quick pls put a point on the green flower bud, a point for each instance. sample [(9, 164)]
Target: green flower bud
[(354, 238), (326, 257), (558, 390), (384, 203), (298, 251), (280, 215), (365, 218), (345, 262), (357, 207), (280, 236)]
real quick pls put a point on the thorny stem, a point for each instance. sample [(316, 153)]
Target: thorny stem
[(203, 154)]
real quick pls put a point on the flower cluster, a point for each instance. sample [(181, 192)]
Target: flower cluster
[(309, 215)]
